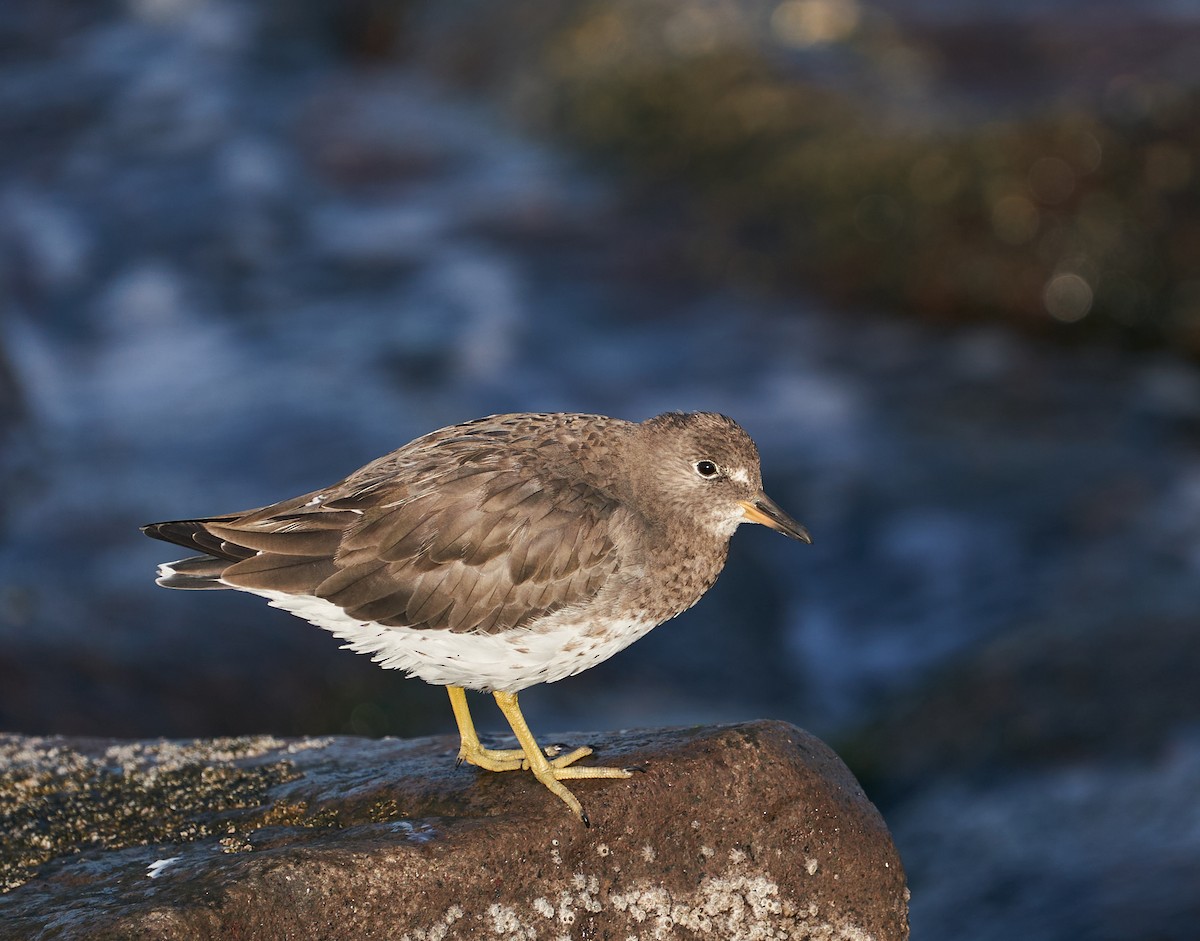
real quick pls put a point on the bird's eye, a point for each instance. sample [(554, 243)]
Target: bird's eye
[(706, 469)]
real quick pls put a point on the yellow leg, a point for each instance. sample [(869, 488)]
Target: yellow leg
[(496, 759), (550, 773), (471, 750)]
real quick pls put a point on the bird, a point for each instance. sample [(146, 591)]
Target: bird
[(500, 553)]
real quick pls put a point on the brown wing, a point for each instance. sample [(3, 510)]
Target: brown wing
[(458, 545), (303, 541)]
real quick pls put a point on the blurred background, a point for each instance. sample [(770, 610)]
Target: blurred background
[(941, 259)]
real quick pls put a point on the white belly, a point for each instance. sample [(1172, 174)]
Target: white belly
[(559, 646)]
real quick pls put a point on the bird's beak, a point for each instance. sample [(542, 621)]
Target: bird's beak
[(762, 509)]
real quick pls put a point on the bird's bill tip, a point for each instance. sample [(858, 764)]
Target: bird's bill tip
[(762, 509)]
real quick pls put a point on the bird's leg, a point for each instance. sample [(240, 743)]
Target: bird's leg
[(495, 759), (551, 773), (471, 751)]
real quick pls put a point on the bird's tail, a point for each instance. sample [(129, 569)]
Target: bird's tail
[(199, 571)]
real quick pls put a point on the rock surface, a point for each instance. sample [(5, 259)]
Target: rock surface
[(747, 831)]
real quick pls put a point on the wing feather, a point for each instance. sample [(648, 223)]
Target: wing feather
[(356, 585), (449, 536), (382, 609), (274, 572)]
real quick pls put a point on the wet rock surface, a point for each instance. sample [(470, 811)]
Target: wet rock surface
[(753, 830)]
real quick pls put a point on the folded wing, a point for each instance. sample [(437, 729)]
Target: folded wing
[(467, 548)]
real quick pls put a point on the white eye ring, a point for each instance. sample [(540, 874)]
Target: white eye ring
[(707, 469)]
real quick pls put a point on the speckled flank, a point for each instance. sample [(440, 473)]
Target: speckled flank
[(560, 646)]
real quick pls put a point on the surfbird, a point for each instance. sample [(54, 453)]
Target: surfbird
[(500, 553)]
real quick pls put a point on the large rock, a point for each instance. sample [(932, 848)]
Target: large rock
[(745, 831)]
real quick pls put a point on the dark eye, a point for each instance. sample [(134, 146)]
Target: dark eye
[(706, 469)]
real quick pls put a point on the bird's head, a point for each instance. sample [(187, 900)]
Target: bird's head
[(706, 468)]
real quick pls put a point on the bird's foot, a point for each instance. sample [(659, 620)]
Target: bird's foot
[(549, 767), (552, 777), (513, 759)]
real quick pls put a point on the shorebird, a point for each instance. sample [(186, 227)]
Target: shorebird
[(500, 553)]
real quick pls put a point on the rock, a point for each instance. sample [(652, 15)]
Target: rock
[(745, 831)]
